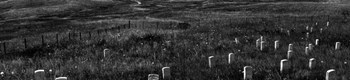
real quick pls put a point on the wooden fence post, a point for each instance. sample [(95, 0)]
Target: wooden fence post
[(56, 39), (80, 36), (4, 47), (69, 36), (89, 35), (25, 43), (42, 40)]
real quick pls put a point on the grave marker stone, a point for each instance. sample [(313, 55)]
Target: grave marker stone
[(236, 40), (105, 53), (262, 45), (337, 45), (39, 74), (166, 72), (290, 54), (230, 57), (310, 47), (257, 43), (307, 50), (61, 78), (277, 44), (153, 77), (248, 73), (284, 65), (290, 47), (331, 75), (312, 63), (211, 61), (317, 42)]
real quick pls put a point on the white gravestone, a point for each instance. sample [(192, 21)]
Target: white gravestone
[(39, 74), (284, 65), (248, 73), (331, 75), (166, 72)]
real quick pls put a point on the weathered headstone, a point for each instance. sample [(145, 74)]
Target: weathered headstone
[(312, 63), (61, 78), (290, 54), (331, 75), (211, 61), (327, 23), (231, 57), (105, 53), (277, 44), (290, 47), (311, 29), (262, 38), (257, 43), (307, 28), (236, 40), (317, 42), (248, 73), (166, 72), (262, 45), (39, 74), (284, 65), (153, 77), (337, 45), (307, 50), (310, 47)]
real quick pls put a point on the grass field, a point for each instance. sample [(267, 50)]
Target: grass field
[(153, 40)]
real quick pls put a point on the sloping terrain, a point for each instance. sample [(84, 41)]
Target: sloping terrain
[(70, 39)]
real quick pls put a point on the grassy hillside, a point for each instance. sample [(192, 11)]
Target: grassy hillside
[(154, 41), (13, 9)]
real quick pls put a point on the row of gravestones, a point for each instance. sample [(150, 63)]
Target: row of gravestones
[(40, 75)]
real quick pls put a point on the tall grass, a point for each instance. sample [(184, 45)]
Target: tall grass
[(140, 51)]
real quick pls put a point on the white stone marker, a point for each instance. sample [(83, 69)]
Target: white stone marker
[(311, 29), (307, 28), (337, 45), (262, 38), (310, 47), (61, 78), (248, 73), (211, 61), (153, 77), (331, 75), (307, 50), (284, 65), (277, 44), (39, 74), (290, 54), (290, 47), (327, 23), (231, 57), (307, 35), (317, 42), (236, 40), (166, 72), (262, 45), (321, 30), (257, 43), (105, 52), (312, 63)]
